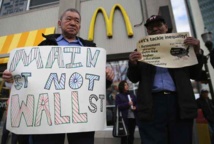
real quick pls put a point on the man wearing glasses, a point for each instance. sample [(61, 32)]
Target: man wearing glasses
[(166, 104)]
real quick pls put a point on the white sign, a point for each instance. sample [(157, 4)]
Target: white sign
[(167, 50), (57, 89)]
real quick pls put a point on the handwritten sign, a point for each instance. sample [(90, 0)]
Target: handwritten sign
[(57, 90), (167, 50)]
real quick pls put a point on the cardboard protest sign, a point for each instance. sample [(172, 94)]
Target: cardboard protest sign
[(167, 50), (57, 89)]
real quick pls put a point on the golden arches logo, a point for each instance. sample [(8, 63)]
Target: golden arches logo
[(109, 21)]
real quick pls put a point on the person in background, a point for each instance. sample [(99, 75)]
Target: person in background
[(69, 23), (112, 94), (166, 103), (206, 104), (126, 103)]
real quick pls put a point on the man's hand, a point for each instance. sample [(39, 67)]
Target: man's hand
[(7, 76), (134, 57), (193, 42), (109, 74)]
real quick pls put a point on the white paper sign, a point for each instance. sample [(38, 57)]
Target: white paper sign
[(167, 50), (57, 89)]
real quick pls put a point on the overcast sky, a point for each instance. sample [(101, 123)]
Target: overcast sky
[(180, 15)]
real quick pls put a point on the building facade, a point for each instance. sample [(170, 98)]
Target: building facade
[(23, 21), (200, 15), (206, 7)]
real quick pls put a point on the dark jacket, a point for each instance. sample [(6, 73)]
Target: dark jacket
[(144, 74), (207, 107), (122, 102), (51, 40)]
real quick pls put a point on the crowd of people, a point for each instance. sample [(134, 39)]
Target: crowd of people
[(164, 106)]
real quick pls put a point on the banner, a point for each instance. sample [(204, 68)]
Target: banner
[(57, 89), (167, 50)]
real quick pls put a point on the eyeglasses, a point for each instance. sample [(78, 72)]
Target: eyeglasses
[(153, 25)]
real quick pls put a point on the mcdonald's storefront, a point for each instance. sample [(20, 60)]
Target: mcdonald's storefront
[(96, 26), (115, 25)]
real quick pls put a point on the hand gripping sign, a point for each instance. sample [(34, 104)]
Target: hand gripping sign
[(57, 89), (167, 50)]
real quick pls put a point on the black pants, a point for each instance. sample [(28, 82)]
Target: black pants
[(73, 138), (21, 139), (5, 134), (81, 138), (48, 139), (131, 123), (167, 127)]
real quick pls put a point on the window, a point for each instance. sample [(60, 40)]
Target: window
[(39, 3), (13, 6), (120, 68)]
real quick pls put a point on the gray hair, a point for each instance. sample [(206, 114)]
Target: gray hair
[(71, 10)]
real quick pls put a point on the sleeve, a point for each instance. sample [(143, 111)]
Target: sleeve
[(196, 70), (133, 72), (108, 83), (121, 104)]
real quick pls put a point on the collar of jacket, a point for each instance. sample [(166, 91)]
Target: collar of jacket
[(53, 37)]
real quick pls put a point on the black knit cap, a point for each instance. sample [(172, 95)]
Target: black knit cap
[(154, 18)]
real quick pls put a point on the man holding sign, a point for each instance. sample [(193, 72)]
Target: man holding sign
[(166, 104), (70, 25)]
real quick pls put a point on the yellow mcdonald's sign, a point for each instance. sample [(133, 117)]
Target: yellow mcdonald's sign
[(109, 21)]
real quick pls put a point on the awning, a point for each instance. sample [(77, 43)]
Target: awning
[(30, 38)]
